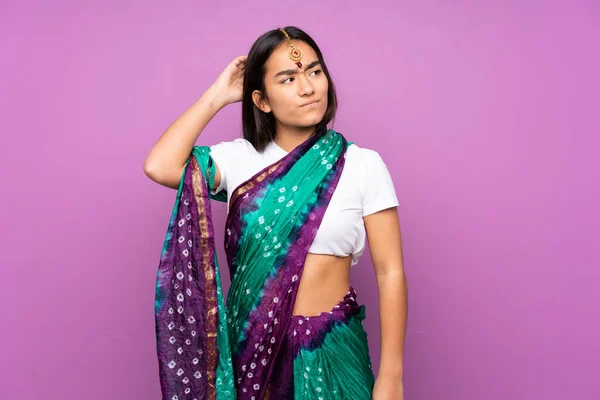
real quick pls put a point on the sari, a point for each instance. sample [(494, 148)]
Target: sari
[(253, 348)]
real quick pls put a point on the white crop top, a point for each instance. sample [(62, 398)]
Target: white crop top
[(365, 187)]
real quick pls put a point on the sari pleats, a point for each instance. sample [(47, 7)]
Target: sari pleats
[(326, 356)]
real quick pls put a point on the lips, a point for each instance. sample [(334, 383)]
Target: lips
[(307, 104)]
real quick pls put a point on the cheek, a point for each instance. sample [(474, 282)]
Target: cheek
[(323, 85), (283, 106), (279, 101), (323, 103)]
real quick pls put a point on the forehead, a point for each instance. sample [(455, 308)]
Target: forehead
[(280, 59)]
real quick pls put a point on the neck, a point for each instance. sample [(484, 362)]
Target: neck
[(289, 137)]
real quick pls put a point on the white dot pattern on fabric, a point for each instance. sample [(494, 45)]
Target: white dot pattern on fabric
[(183, 324), (264, 221)]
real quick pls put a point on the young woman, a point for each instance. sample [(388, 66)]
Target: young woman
[(301, 200)]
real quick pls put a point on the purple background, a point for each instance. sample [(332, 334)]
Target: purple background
[(486, 115)]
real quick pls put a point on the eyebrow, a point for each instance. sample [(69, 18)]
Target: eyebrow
[(293, 71)]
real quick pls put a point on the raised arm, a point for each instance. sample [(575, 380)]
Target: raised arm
[(166, 160)]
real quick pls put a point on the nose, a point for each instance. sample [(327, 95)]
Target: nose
[(305, 86)]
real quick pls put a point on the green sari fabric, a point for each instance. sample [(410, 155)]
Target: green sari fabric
[(209, 350)]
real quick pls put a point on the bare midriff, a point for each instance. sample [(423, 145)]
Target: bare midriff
[(324, 282)]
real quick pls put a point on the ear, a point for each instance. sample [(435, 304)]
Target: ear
[(261, 102)]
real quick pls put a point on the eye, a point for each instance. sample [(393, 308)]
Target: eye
[(316, 72)]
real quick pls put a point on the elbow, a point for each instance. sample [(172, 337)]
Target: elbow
[(168, 177), (151, 170)]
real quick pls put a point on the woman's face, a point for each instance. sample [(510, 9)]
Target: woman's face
[(289, 88)]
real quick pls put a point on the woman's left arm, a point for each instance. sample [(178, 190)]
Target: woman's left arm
[(385, 245)]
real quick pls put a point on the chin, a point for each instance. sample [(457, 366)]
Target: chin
[(306, 121), (311, 123)]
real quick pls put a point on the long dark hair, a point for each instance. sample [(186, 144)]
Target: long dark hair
[(258, 126)]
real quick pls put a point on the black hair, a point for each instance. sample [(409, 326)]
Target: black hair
[(258, 126)]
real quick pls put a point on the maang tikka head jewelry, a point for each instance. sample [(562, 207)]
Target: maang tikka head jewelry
[(295, 54)]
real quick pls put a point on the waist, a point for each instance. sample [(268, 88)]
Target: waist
[(325, 279)]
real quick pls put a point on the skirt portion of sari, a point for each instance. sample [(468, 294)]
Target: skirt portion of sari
[(325, 357)]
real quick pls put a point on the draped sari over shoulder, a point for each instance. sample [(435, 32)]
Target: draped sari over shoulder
[(207, 350)]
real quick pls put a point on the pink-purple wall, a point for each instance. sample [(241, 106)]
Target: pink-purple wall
[(486, 113)]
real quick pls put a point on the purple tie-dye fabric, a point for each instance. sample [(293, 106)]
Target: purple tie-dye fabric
[(278, 292), (190, 347), (187, 292)]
